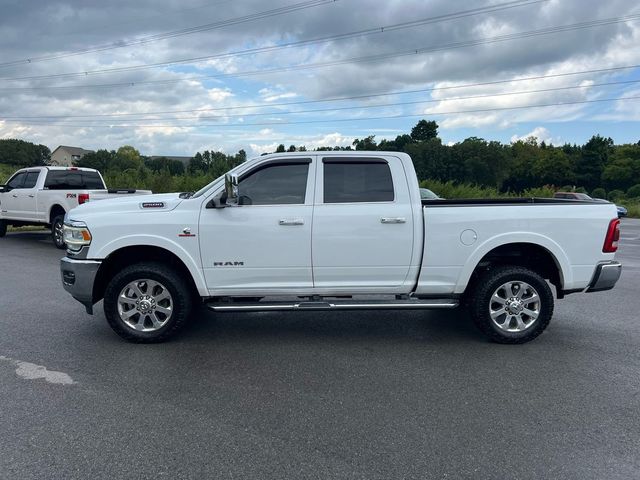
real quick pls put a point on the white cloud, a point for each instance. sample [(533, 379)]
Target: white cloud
[(540, 133)]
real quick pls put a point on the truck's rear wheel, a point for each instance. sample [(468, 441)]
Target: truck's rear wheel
[(147, 303), (56, 232), (511, 304), (3, 228)]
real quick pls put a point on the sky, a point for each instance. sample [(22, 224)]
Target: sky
[(172, 77)]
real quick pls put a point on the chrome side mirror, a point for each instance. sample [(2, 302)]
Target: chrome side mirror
[(231, 189)]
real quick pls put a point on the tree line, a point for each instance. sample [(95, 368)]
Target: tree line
[(598, 167)]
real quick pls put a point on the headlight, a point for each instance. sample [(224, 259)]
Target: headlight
[(76, 235)]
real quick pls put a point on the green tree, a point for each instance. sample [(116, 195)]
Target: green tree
[(23, 154), (101, 160), (592, 161), (367, 143), (280, 148), (424, 130), (126, 158)]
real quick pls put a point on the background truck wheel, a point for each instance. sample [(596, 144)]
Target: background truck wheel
[(511, 304), (56, 232), (3, 228), (147, 303)]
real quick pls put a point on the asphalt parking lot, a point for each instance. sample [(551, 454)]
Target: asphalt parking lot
[(373, 395)]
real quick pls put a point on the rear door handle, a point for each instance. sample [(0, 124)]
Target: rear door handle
[(393, 220), (291, 221)]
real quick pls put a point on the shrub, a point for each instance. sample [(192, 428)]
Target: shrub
[(634, 192), (599, 193), (580, 190), (615, 195)]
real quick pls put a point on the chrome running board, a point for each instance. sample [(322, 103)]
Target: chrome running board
[(263, 306)]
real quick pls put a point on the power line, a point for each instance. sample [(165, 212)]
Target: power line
[(360, 119), (334, 109), (178, 33), (370, 58), (343, 36)]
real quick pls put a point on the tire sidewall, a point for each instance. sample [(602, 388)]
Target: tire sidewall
[(57, 220), (181, 297), (483, 298)]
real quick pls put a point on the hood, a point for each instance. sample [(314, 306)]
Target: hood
[(163, 202)]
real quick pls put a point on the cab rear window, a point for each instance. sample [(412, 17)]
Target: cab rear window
[(73, 180)]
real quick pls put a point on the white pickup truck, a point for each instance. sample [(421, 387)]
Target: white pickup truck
[(43, 195), (334, 230)]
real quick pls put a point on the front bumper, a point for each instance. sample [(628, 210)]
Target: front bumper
[(77, 279), (605, 276)]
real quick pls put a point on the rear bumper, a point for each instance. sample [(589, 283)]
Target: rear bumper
[(77, 279), (605, 276)]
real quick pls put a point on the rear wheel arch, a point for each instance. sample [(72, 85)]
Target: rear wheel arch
[(119, 259), (521, 254)]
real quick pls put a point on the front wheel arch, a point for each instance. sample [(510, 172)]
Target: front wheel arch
[(120, 259)]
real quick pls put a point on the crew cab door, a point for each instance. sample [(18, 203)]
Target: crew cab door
[(9, 201), (264, 243), (27, 197), (362, 224)]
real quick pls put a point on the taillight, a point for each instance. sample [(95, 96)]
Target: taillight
[(613, 235), (83, 198)]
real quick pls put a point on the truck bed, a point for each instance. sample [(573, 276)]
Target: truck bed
[(470, 202)]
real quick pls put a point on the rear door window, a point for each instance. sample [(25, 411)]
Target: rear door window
[(357, 181)]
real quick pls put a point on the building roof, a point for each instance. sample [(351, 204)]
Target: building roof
[(72, 150)]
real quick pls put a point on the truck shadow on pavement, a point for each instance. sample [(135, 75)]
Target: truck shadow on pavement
[(393, 326)]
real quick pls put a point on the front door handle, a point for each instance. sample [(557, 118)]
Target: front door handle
[(14, 195), (393, 220), (31, 195), (291, 221)]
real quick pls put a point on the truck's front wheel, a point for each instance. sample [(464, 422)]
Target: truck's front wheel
[(147, 303), (511, 304), (56, 232)]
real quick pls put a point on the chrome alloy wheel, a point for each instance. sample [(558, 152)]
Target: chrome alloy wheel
[(514, 306), (145, 305), (58, 234)]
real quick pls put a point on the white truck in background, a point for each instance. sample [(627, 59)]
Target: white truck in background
[(42, 196), (334, 230)]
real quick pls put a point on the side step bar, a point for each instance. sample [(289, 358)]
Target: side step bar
[(263, 306)]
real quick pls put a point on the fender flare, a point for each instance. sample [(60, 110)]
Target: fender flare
[(557, 253), (160, 242)]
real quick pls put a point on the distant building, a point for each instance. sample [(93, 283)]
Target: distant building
[(183, 160), (64, 156)]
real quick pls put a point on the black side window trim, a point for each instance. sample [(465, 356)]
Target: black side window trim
[(354, 160), (275, 163)]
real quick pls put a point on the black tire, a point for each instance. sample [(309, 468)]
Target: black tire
[(56, 232), (480, 303), (3, 228), (181, 302)]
